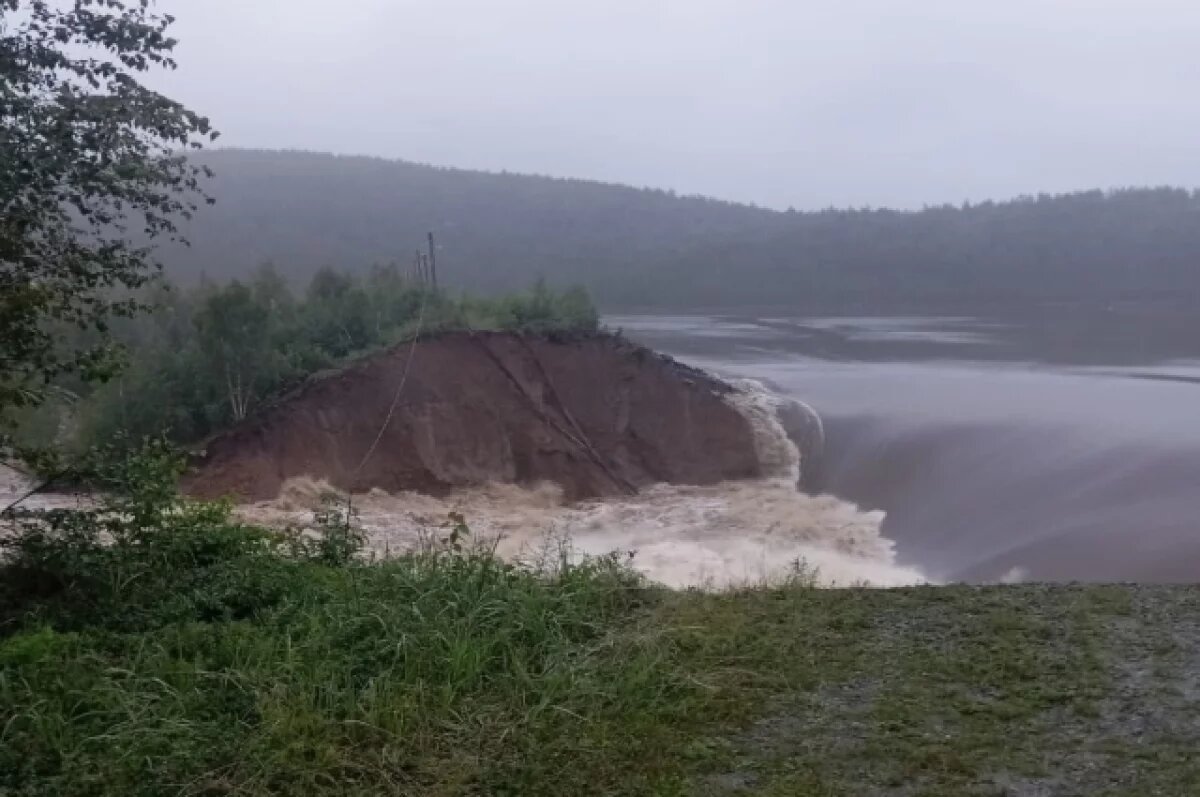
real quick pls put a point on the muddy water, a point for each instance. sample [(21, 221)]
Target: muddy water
[(711, 537), (955, 449), (1037, 448), (718, 536)]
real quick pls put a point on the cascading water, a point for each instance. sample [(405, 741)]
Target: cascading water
[(1057, 447), (716, 537)]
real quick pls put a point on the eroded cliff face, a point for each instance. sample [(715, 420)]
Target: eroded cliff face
[(599, 416)]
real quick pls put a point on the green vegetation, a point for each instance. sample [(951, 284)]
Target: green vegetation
[(207, 357), (645, 248), (88, 158), (157, 646), (154, 645)]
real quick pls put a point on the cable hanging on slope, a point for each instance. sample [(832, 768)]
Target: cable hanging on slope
[(412, 350), (582, 443)]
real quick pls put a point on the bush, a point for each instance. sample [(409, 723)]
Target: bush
[(211, 356), (141, 558), (154, 645), (541, 311)]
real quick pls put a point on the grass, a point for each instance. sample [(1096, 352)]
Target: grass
[(455, 675), (417, 676), (258, 667)]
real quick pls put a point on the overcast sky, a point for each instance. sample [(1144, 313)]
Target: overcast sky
[(779, 102)]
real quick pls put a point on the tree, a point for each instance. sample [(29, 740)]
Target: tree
[(90, 161), (234, 337), (337, 313), (576, 311)]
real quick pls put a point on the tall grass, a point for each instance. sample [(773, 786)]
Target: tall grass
[(155, 646), (424, 675)]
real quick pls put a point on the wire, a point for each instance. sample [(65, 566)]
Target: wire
[(412, 350), (41, 485)]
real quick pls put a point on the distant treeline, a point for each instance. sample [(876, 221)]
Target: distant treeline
[(207, 356), (1093, 247), (638, 247)]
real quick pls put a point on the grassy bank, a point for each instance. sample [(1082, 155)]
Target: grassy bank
[(186, 654)]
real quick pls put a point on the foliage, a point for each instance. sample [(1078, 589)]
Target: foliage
[(233, 334), (140, 558), (644, 248), (338, 537), (542, 311), (194, 655), (88, 159), (306, 210), (154, 645), (197, 655), (207, 357)]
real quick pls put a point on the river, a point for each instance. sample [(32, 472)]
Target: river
[(1048, 447), (1037, 448)]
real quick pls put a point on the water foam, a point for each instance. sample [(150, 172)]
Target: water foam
[(777, 454), (716, 537)]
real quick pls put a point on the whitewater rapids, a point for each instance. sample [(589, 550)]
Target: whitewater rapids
[(718, 537)]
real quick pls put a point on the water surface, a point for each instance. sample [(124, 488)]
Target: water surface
[(1035, 447)]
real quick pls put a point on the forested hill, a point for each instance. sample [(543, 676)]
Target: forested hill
[(652, 248), (496, 232)]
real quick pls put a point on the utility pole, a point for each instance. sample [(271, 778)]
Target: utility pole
[(432, 262)]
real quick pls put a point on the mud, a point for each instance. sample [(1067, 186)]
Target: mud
[(597, 416)]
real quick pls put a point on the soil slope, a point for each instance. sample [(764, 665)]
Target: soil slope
[(598, 415)]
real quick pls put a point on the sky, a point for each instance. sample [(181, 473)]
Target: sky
[(803, 103)]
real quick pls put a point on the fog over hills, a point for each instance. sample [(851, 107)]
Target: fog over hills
[(653, 248)]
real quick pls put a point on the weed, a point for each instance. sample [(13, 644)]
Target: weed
[(151, 645)]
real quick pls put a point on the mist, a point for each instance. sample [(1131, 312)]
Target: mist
[(849, 103)]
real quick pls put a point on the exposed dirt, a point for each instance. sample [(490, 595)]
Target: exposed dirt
[(598, 415)]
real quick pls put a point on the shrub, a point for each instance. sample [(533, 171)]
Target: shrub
[(210, 356), (154, 645), (141, 557)]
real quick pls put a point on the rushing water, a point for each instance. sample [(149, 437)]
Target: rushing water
[(1044, 448), (955, 449), (714, 536)]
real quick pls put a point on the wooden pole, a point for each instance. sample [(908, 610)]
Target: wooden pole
[(432, 262)]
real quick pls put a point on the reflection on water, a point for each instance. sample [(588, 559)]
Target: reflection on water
[(998, 448)]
